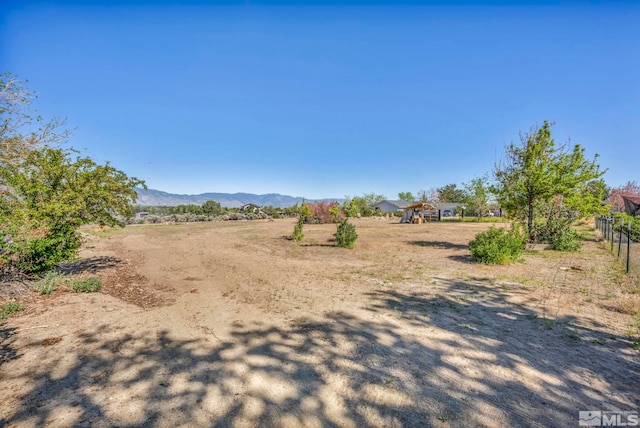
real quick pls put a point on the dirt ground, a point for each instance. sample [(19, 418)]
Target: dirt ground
[(232, 324)]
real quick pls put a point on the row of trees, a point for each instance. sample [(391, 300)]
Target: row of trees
[(542, 186)]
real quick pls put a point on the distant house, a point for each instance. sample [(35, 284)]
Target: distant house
[(389, 206), (141, 215), (250, 208), (448, 209)]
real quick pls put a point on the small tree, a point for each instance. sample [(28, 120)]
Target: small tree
[(346, 235), (305, 211), (536, 171), (477, 194)]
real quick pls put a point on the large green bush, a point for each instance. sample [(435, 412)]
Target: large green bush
[(497, 246), (47, 192), (566, 240), (554, 227)]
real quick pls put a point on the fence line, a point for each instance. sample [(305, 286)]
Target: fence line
[(619, 238)]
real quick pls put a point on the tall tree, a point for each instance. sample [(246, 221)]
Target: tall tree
[(450, 193), (406, 196), (212, 207), (430, 195), (477, 195), (371, 199), (536, 171)]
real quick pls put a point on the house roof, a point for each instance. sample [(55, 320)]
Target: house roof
[(421, 205), (633, 198), (631, 204), (399, 204)]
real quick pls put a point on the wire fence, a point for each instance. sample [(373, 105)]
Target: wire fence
[(620, 239)]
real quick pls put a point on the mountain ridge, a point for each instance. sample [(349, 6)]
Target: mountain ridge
[(152, 197)]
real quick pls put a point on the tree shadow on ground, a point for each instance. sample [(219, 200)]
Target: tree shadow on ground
[(461, 259), (571, 366), (7, 351), (441, 245), (91, 265), (471, 358)]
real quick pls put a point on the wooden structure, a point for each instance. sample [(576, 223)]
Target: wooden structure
[(418, 213)]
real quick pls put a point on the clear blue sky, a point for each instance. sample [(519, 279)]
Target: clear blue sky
[(324, 99)]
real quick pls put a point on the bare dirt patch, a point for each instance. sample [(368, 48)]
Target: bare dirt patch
[(231, 324)]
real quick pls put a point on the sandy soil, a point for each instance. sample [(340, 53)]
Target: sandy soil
[(231, 324)]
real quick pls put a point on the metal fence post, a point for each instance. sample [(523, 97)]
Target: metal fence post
[(628, 245), (612, 231), (620, 237)]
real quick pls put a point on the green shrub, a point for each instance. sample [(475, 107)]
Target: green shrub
[(346, 235), (497, 246), (50, 282), (88, 284), (566, 240), (298, 230), (10, 308)]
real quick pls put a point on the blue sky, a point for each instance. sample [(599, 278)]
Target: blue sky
[(326, 99)]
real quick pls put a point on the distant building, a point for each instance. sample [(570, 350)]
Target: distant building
[(250, 208), (631, 204), (390, 206)]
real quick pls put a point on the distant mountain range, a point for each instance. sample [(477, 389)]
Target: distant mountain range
[(152, 197)]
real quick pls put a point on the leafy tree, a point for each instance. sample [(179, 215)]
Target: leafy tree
[(361, 207), (21, 130), (212, 208), (370, 199), (536, 171), (476, 195), (322, 212), (450, 193), (345, 235), (47, 194), (51, 196), (430, 195), (406, 196), (305, 212)]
